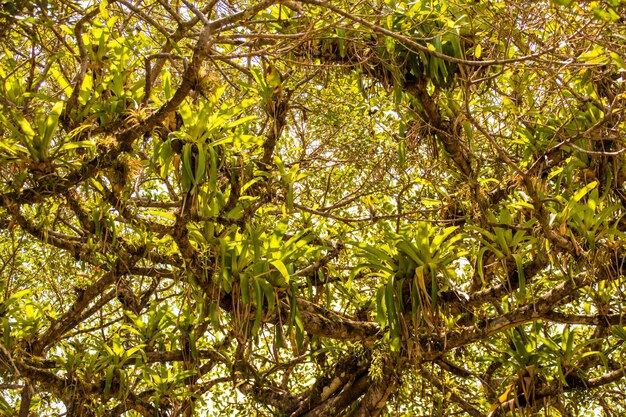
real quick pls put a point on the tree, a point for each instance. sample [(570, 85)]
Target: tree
[(312, 208)]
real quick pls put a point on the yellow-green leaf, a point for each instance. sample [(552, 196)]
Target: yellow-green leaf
[(280, 266), (478, 51)]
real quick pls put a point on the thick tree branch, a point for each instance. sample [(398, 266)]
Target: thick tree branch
[(322, 322)]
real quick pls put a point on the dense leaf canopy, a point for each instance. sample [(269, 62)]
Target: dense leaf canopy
[(312, 207)]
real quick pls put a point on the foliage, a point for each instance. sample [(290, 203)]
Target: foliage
[(312, 208)]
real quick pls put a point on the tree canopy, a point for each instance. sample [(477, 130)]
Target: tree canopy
[(312, 207)]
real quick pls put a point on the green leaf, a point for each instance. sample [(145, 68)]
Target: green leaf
[(381, 314), (29, 138), (411, 250), (273, 76), (583, 191), (440, 238), (299, 329), (279, 337), (522, 278), (268, 291), (244, 284), (401, 153), (83, 144), (390, 305), (376, 255), (49, 127), (110, 373), (201, 165), (187, 174)]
